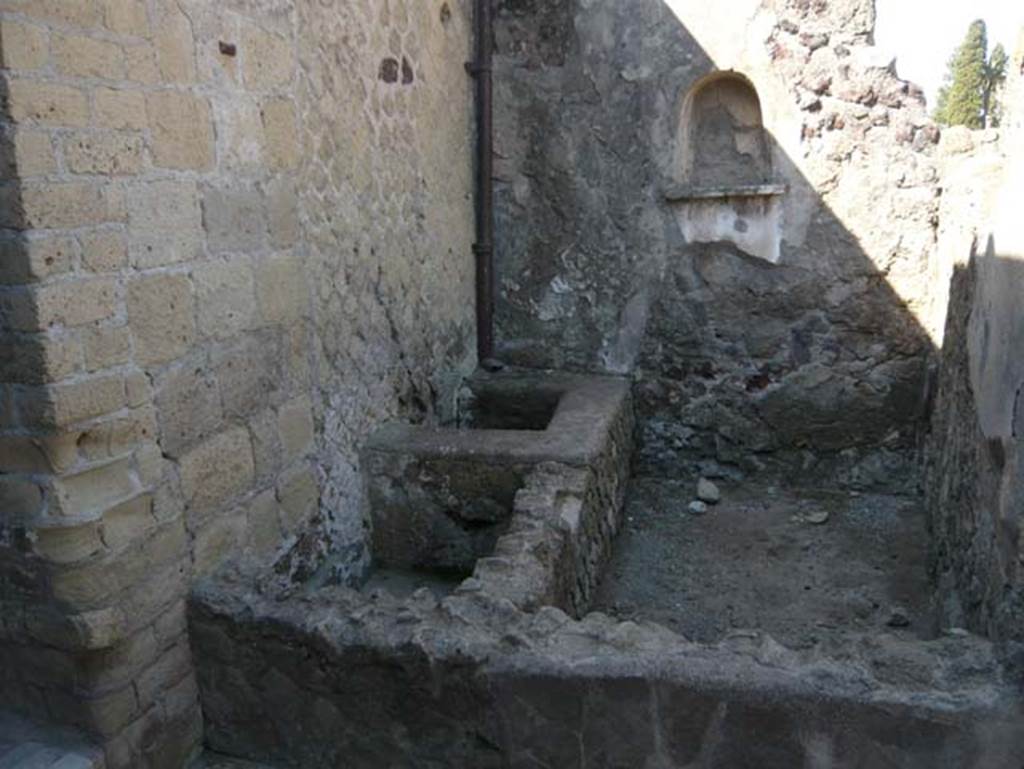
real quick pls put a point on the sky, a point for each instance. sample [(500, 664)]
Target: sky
[(922, 34)]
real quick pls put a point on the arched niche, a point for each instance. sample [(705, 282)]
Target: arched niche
[(726, 189), (722, 137)]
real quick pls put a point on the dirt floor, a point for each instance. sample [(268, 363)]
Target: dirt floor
[(800, 565)]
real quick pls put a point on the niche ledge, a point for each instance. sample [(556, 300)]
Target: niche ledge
[(747, 215), (683, 194)]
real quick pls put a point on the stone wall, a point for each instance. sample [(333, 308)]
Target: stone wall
[(236, 237), (530, 513), (814, 368), (334, 677), (975, 460)]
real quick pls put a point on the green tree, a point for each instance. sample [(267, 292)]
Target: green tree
[(973, 78), (995, 76)]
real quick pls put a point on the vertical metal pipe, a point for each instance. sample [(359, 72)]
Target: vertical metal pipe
[(483, 249)]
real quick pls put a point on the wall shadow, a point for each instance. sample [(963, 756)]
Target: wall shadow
[(37, 633), (814, 371), (975, 461)]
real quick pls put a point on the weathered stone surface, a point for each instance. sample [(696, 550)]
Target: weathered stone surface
[(24, 743), (272, 236), (188, 405), (174, 43), (282, 213), (79, 13), (282, 290), (182, 131), (128, 521), (22, 498), (120, 109), (126, 17), (797, 369), (225, 296), (61, 205), (104, 251), (63, 304), (439, 499), (217, 540), (517, 689), (975, 462), (25, 261), (249, 374), (264, 523), (62, 405), (234, 219), (217, 470), (23, 46), (160, 311), (298, 496), (282, 135), (296, 428), (269, 59), (89, 57), (95, 489), (35, 359), (27, 153), (103, 153), (165, 223), (47, 104), (393, 305), (708, 492)]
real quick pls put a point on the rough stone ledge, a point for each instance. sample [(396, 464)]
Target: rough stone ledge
[(492, 677), (682, 194), (576, 435)]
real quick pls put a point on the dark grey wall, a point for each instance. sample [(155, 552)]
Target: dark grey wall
[(975, 468), (813, 368)]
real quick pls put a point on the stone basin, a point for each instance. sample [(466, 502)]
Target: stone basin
[(440, 500)]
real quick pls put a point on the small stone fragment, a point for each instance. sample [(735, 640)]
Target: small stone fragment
[(861, 606), (698, 508), (898, 618), (708, 492), (818, 518)]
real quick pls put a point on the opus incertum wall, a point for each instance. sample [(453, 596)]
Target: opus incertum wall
[(770, 291)]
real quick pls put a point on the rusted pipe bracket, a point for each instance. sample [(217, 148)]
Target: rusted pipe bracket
[(475, 70)]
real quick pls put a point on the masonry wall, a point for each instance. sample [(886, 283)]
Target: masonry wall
[(975, 482), (235, 238), (812, 369)]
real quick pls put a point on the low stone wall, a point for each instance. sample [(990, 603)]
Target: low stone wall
[(500, 675), (339, 678)]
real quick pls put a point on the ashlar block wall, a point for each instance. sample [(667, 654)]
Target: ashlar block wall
[(231, 244)]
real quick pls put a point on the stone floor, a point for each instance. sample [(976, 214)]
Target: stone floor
[(25, 745), (213, 761), (803, 566)]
